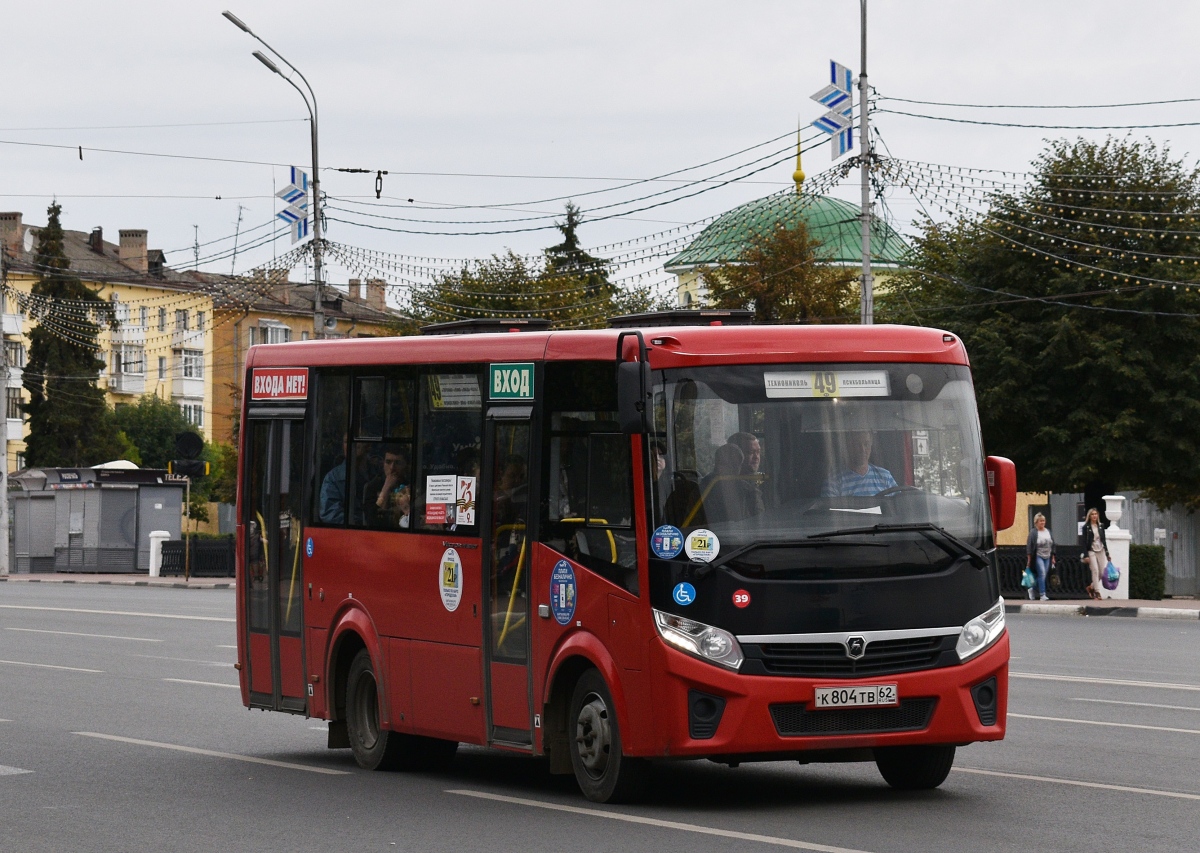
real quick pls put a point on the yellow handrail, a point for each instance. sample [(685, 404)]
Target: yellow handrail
[(757, 478), (295, 565), (612, 542), (512, 596)]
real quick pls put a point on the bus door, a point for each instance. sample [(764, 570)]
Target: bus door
[(508, 536), (274, 563)]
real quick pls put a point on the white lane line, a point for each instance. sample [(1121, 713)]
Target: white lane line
[(1102, 785), (1119, 682), (119, 613), (5, 721), (49, 666), (214, 754), (77, 634), (226, 647), (216, 684), (12, 771), (187, 660), (1138, 704), (1099, 723), (664, 824)]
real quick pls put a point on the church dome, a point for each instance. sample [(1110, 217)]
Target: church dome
[(835, 223)]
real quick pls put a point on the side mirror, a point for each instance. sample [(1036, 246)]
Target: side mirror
[(1002, 490), (632, 378), (633, 387)]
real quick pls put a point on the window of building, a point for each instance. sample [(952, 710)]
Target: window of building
[(143, 316), (162, 367), (200, 320), (20, 461), (304, 336), (12, 398), (181, 320), (162, 319), (193, 413), (132, 360), (14, 351), (274, 333), (191, 362)]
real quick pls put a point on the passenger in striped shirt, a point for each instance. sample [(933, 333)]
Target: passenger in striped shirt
[(858, 477)]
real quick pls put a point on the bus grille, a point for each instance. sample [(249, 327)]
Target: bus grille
[(829, 660), (794, 720)]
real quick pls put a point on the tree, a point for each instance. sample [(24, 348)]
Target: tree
[(569, 287), (151, 424), (69, 422), (782, 278), (1075, 300)]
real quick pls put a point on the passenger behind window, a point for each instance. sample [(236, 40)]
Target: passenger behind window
[(726, 496), (333, 491), (387, 499)]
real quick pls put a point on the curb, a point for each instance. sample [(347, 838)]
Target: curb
[(164, 583), (1043, 609)]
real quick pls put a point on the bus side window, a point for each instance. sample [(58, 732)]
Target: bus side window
[(332, 406), (380, 485), (449, 437)]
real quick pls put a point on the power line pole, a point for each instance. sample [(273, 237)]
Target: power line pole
[(4, 532), (196, 246), (236, 233), (867, 309)]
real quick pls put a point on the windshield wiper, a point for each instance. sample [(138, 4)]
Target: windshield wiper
[(923, 527), (774, 543)]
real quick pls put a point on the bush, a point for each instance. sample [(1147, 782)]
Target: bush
[(1147, 572)]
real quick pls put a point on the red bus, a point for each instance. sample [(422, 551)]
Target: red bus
[(657, 541)]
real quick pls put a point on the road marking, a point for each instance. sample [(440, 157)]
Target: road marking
[(226, 647), (119, 613), (77, 634), (1120, 682), (1104, 786), (212, 683), (187, 660), (1099, 723), (12, 771), (1138, 704), (5, 721), (49, 666), (214, 754), (664, 824)]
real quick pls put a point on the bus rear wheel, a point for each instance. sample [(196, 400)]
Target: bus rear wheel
[(604, 773), (914, 768)]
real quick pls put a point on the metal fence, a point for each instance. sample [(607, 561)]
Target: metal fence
[(209, 558), (1073, 576)]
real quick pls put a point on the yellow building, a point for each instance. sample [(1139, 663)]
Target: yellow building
[(180, 335)]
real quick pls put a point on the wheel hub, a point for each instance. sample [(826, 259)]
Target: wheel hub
[(593, 736)]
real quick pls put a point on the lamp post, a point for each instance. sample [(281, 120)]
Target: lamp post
[(310, 101)]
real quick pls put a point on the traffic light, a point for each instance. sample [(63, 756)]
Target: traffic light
[(188, 467)]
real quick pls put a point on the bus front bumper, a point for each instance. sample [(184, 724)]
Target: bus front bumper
[(770, 715)]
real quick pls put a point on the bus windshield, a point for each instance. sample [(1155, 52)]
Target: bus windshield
[(788, 453)]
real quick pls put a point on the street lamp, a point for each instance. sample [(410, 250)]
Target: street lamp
[(310, 101)]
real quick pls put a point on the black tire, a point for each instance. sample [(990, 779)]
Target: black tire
[(374, 748), (604, 773), (914, 768)]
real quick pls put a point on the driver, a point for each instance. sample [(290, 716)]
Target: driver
[(858, 477)]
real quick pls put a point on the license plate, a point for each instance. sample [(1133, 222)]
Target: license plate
[(856, 697)]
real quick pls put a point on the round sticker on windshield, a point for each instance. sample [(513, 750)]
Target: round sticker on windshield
[(667, 542), (684, 593), (450, 579), (562, 592), (702, 545)]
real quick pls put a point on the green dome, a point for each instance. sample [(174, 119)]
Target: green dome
[(835, 223)]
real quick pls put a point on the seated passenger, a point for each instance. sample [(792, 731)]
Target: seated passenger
[(858, 477), (387, 499), (728, 497)]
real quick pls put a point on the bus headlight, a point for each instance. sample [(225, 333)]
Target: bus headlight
[(703, 641), (981, 632)]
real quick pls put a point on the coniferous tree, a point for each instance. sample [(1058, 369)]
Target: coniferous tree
[(69, 423)]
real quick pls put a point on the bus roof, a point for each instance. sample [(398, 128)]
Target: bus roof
[(670, 346)]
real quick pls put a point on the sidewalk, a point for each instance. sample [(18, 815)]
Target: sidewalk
[(1171, 608), (126, 579)]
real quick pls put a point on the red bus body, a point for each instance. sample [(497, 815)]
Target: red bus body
[(376, 590)]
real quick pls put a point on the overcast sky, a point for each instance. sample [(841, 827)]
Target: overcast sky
[(574, 91)]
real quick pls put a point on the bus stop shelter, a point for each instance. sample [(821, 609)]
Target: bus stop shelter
[(90, 519)]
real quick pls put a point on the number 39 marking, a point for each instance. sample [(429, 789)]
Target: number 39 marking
[(741, 598)]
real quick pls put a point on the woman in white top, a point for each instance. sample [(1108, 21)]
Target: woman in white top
[(1095, 550), (1039, 546)]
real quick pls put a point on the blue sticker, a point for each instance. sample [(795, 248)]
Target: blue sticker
[(308, 547), (667, 542), (684, 593), (562, 592)]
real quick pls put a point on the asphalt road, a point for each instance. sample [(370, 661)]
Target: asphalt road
[(121, 729)]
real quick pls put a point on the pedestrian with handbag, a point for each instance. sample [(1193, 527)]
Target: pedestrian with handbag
[(1039, 547), (1095, 550)]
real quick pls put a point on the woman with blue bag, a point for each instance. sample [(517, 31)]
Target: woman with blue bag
[(1095, 551), (1040, 547)]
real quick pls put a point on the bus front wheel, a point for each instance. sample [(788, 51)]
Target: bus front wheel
[(604, 773), (914, 768)]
